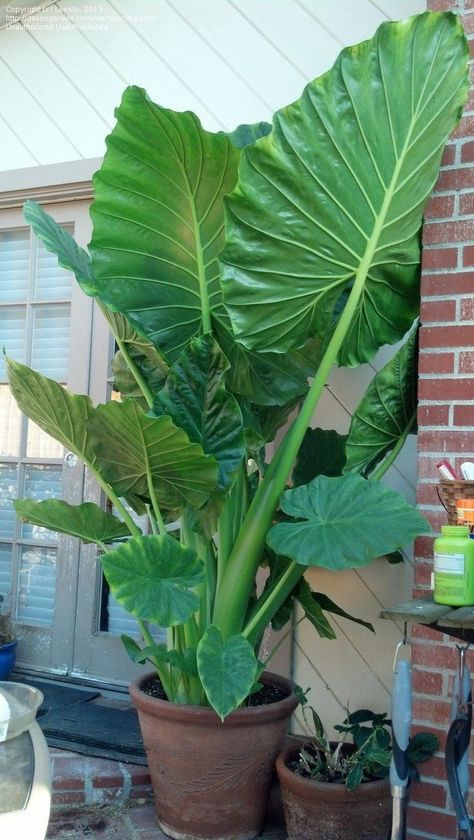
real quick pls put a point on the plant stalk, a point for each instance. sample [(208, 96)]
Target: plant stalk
[(234, 592)]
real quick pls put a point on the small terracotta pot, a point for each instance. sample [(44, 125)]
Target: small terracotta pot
[(324, 811), (212, 780)]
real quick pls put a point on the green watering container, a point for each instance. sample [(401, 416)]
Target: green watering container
[(454, 566)]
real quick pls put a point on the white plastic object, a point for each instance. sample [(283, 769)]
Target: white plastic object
[(467, 471), (5, 715), (23, 701)]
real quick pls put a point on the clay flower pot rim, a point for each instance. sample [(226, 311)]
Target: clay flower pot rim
[(244, 716), (338, 790)]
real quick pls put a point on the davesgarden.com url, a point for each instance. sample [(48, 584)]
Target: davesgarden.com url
[(90, 17)]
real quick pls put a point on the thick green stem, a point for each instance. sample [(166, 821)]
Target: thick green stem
[(387, 463), (234, 592), (154, 502), (230, 520)]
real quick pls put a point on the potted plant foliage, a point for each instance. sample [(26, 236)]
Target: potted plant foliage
[(7, 644), (235, 271), (341, 790)]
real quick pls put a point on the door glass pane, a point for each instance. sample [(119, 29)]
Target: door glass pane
[(50, 353), (8, 492), (118, 620), (41, 445), (36, 586), (12, 335), (10, 423), (5, 571), (14, 257), (52, 282), (41, 482)]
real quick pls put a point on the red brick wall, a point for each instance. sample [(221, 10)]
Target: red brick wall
[(446, 427)]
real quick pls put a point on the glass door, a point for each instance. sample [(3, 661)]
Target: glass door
[(66, 621)]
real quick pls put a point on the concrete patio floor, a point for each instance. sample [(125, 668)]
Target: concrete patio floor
[(134, 821)]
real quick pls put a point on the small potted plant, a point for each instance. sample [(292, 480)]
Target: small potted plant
[(340, 790), (235, 270), (7, 644)]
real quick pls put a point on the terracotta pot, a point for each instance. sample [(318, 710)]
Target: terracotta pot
[(324, 811), (212, 780)]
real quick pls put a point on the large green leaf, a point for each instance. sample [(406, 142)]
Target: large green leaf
[(387, 411), (344, 522), (196, 400), (58, 412), (334, 196), (60, 242), (86, 521), (321, 453), (158, 229), (153, 577), (227, 669), (158, 220), (133, 449)]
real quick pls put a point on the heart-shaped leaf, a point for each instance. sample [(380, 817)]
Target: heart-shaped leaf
[(87, 521), (58, 412), (387, 411), (152, 577), (333, 198), (227, 669), (158, 220), (133, 449), (344, 522)]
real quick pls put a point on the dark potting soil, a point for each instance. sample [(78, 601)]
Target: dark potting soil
[(267, 694)]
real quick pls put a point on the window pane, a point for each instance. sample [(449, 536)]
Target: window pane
[(41, 445), (50, 354), (12, 335), (14, 258), (52, 282), (36, 586), (5, 571), (8, 492), (41, 482), (118, 620), (10, 423)]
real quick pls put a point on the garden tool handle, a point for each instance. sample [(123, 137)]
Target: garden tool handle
[(461, 706), (401, 723), (458, 732)]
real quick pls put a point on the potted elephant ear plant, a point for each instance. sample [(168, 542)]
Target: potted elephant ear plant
[(235, 271), (340, 789)]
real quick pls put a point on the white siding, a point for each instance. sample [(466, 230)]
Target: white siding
[(230, 61)]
